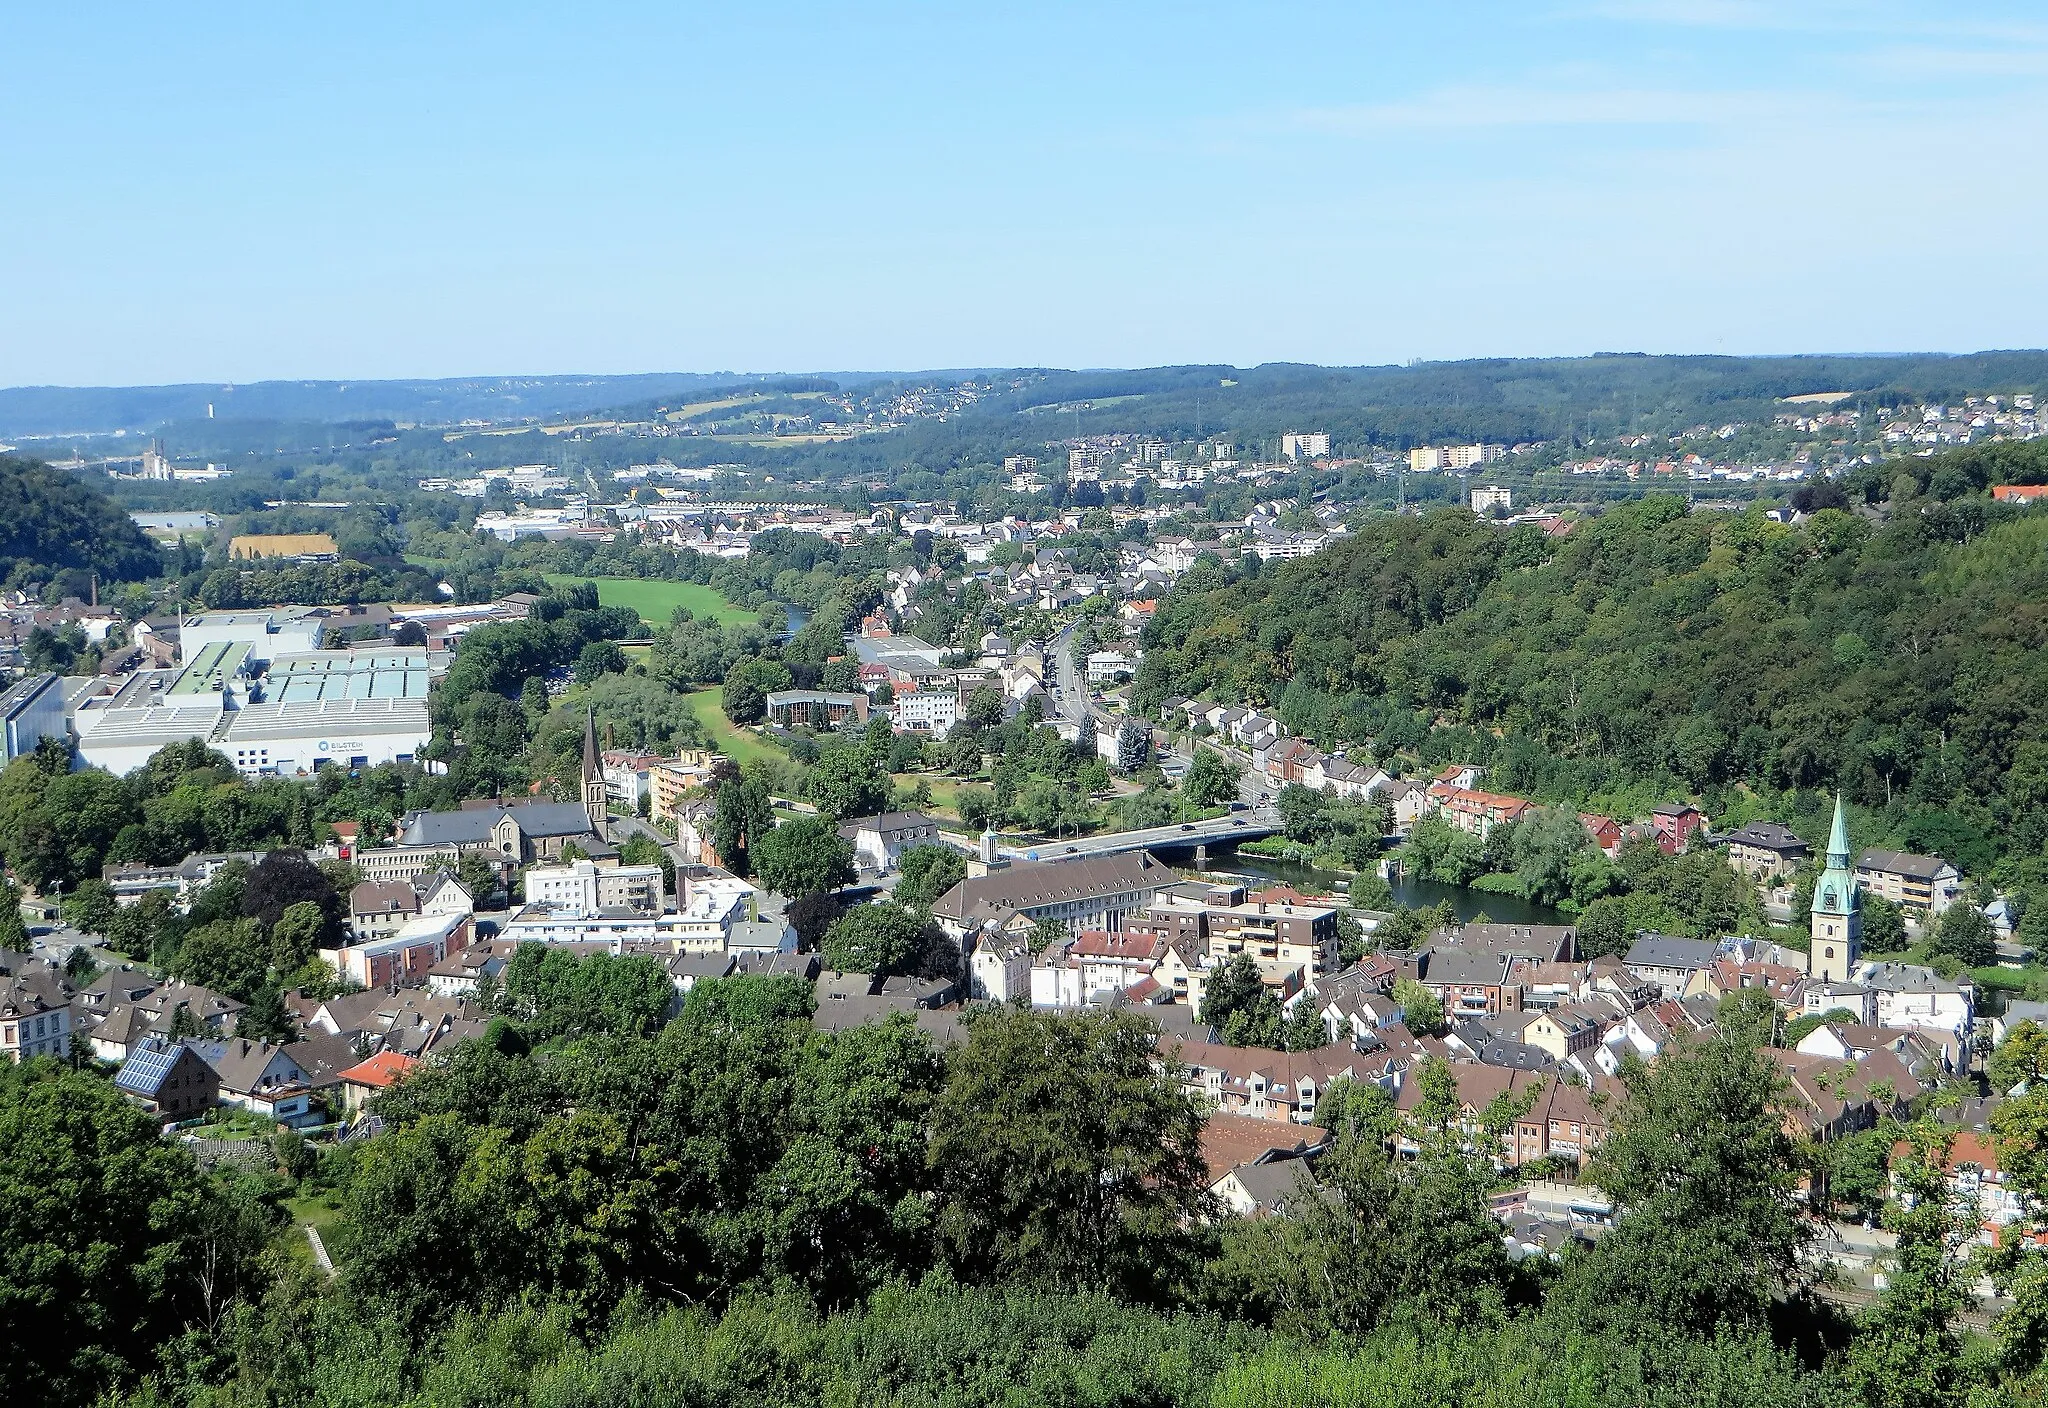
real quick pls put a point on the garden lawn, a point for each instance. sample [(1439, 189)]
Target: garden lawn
[(657, 601), (735, 742)]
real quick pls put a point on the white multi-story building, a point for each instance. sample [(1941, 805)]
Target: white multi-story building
[(1107, 665), (1490, 497), (584, 884), (35, 1016), (926, 711), (1296, 445)]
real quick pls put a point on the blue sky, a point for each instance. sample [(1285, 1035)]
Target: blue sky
[(238, 192)]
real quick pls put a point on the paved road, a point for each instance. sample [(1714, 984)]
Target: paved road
[(1072, 701)]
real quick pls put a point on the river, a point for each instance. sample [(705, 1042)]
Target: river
[(1411, 893)]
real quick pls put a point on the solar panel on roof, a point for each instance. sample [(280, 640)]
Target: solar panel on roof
[(145, 1069)]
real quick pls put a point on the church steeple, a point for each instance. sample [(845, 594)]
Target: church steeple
[(1837, 908), (594, 802)]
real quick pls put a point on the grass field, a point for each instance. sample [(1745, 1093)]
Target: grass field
[(657, 601), (735, 742)]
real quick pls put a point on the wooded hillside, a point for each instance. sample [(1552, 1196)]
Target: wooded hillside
[(1894, 656), (51, 520)]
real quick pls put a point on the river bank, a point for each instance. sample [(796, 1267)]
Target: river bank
[(1409, 892)]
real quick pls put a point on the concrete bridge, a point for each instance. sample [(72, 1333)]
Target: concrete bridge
[(1197, 836)]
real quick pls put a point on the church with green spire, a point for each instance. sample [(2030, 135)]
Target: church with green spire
[(1837, 908)]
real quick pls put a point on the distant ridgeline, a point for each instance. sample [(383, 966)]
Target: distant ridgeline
[(1893, 649)]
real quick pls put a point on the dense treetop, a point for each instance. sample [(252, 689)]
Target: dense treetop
[(51, 520), (1896, 658)]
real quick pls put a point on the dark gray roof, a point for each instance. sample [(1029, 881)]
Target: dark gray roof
[(1270, 1185), (1512, 1055), (472, 826), (1663, 951), (1030, 884), (1902, 863), (1768, 836), (1455, 965)]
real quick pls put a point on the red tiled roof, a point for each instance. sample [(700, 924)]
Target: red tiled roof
[(1230, 1140), (381, 1071)]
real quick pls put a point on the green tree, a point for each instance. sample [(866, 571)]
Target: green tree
[(742, 814), (1444, 852), (90, 907), (1369, 890), (1884, 924), (642, 849), (116, 1243), (1385, 1238), (2019, 1059), (985, 706), (1065, 1155), (874, 938), (1906, 1353), (228, 955), (1748, 1016), (1422, 1011), (599, 657), (847, 782), (803, 856), (266, 1018), (295, 936), (1706, 1184), (1235, 987), (1965, 934), (1212, 779), (976, 806), (13, 928), (927, 872), (1606, 927)]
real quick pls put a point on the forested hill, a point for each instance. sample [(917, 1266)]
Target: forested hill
[(1893, 651), (52, 521)]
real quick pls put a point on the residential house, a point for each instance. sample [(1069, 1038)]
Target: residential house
[(1923, 886), (1847, 1041), (1675, 824), (1819, 996), (1829, 1099), (168, 1080), (380, 907), (1674, 965), (261, 1078), (1408, 801), (999, 972), (1564, 1031), (1908, 995), (1560, 1118), (584, 884), (1266, 1187), (1766, 851), (1978, 1179), (35, 1012), (1269, 1085), (880, 841), (366, 1080), (1477, 812), (1605, 831), (404, 955)]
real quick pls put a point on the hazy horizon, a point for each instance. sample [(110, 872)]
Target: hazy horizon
[(249, 196)]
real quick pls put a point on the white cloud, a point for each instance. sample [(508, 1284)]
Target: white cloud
[(1471, 106)]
